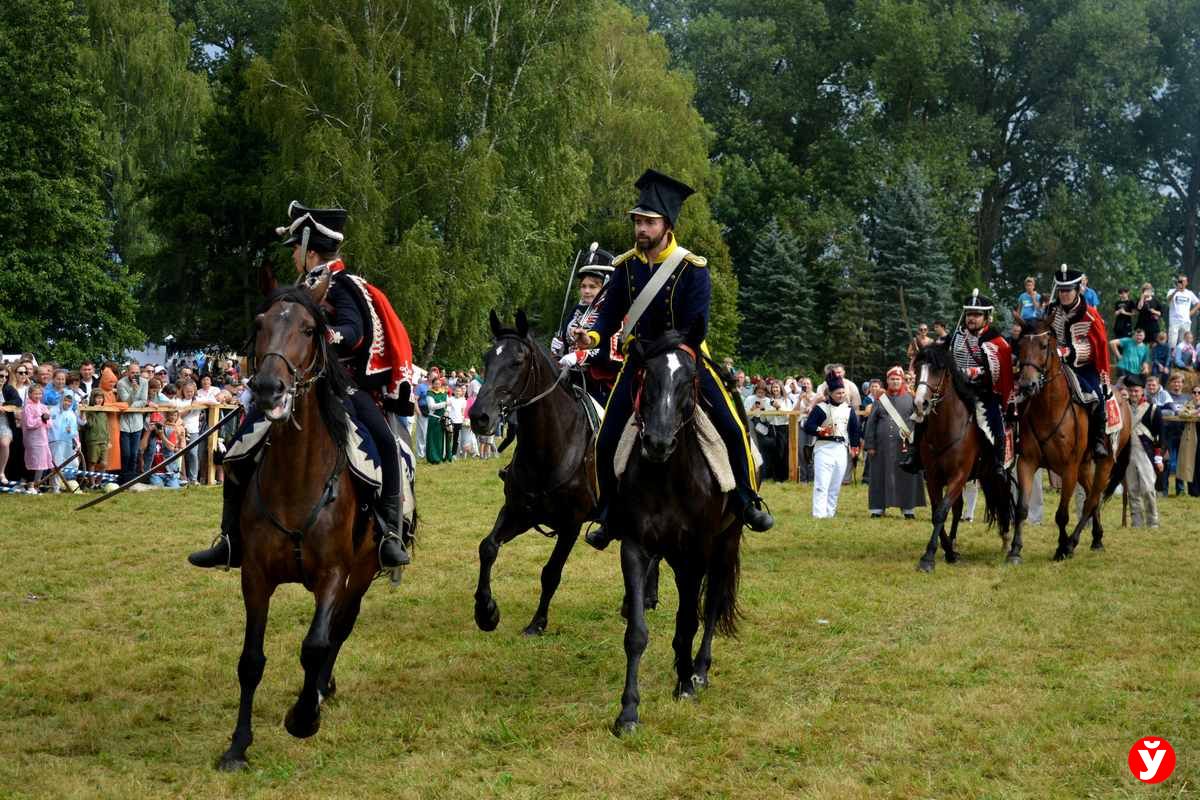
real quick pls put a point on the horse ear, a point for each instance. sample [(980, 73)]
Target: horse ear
[(695, 333), (522, 322), (495, 322), (317, 283)]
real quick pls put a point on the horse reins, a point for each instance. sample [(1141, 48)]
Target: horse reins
[(1042, 382), (519, 403)]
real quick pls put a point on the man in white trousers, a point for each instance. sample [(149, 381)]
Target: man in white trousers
[(835, 428)]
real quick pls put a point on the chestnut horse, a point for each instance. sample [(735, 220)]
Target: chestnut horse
[(954, 450), (303, 519), (1054, 435)]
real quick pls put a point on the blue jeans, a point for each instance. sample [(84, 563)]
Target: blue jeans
[(129, 454), (191, 465)]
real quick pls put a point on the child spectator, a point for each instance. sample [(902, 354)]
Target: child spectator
[(64, 433), (456, 411), (35, 422), (165, 436), (1184, 354), (95, 437), (1160, 357)]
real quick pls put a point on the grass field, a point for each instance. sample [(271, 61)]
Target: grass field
[(854, 676)]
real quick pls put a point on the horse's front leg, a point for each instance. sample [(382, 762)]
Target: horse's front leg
[(343, 624), (551, 576), (256, 594), (506, 528), (688, 577), (633, 569), (304, 718), (1026, 469), (938, 518), (652, 577), (1063, 515), (950, 541)]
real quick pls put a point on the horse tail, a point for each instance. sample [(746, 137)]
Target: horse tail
[(721, 582), (1000, 501), (1118, 473)]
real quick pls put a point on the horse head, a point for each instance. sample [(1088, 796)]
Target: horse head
[(510, 371), (668, 388), (1037, 353), (290, 346), (933, 367)]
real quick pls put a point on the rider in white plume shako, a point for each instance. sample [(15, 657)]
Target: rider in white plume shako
[(680, 300), (373, 349), (984, 357), (602, 363)]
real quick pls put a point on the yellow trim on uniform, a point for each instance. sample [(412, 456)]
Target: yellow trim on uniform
[(600, 427), (736, 417)]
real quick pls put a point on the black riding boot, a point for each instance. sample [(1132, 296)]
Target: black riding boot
[(391, 545), (1096, 426), (599, 537), (757, 518), (226, 551)]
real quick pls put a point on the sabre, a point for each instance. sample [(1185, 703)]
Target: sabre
[(570, 283), (199, 438)]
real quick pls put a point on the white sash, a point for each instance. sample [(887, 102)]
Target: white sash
[(657, 281), (905, 431)]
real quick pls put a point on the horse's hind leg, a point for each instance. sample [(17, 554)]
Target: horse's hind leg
[(256, 594), (551, 576), (633, 569), (507, 528), (688, 578), (1094, 477), (652, 576), (339, 631), (1063, 515), (304, 718), (730, 542), (1026, 470)]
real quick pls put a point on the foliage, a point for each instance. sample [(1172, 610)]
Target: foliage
[(776, 295), (62, 293)]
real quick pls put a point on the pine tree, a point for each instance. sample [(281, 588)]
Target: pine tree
[(776, 299), (915, 278), (853, 337), (62, 295)]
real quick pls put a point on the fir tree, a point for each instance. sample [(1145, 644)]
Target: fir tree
[(915, 278), (777, 301), (853, 337)]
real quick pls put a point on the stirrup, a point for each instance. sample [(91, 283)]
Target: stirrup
[(383, 539), (220, 537)]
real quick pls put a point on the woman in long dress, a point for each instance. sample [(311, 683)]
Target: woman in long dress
[(435, 436)]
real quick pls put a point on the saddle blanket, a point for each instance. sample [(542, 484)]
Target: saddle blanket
[(362, 455), (711, 444)]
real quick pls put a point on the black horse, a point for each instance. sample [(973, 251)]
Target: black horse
[(551, 481), (670, 504)]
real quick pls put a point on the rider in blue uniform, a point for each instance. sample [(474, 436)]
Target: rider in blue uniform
[(682, 300), (351, 331)]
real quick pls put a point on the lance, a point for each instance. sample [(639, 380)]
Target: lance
[(199, 438)]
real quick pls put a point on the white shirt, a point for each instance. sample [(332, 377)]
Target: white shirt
[(208, 395), (191, 419), (1181, 301), (456, 409)]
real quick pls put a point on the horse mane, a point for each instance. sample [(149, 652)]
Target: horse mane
[(646, 349), (538, 348), (1036, 327), (334, 384), (938, 356)]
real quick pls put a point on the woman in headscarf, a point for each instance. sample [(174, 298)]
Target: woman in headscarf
[(889, 435)]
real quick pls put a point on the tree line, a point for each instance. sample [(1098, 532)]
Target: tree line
[(860, 166)]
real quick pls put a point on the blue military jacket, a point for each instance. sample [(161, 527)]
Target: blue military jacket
[(682, 300)]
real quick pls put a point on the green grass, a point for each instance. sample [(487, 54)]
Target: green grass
[(854, 676)]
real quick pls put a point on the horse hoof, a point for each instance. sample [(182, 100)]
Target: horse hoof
[(685, 691), (487, 615), (1059, 555), (1014, 560), (925, 566), (298, 729), (952, 558), (624, 727), (534, 629), (330, 690), (650, 604), (700, 681), (231, 762), (1097, 546)]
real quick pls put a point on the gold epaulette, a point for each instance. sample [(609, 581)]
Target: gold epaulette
[(624, 257), (695, 260)]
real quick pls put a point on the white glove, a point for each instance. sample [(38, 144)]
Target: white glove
[(570, 359)]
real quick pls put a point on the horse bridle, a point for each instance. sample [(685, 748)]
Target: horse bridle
[(507, 408), (301, 380), (1042, 370), (1042, 380), (935, 393), (637, 398)]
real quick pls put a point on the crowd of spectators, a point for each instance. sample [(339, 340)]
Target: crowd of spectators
[(105, 420), (442, 425)]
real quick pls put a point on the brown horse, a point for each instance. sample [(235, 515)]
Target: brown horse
[(1054, 435), (953, 450), (302, 520)]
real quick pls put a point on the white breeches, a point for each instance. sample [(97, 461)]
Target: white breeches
[(829, 466)]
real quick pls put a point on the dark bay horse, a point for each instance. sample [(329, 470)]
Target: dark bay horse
[(551, 481), (1054, 434), (669, 504), (302, 521), (954, 451)]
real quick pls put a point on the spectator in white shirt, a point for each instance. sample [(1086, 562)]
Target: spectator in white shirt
[(207, 392), (1183, 304), (191, 427), (456, 410)]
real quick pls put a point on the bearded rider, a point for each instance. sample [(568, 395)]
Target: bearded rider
[(984, 358)]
